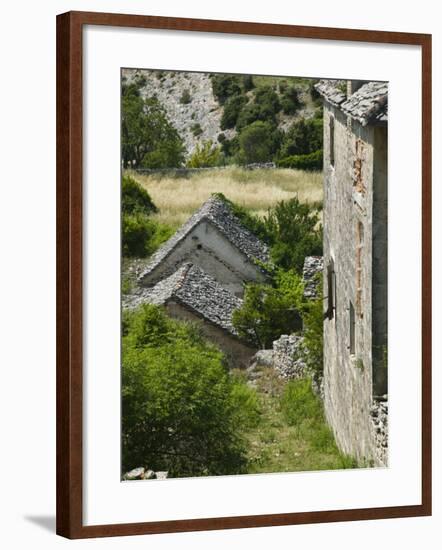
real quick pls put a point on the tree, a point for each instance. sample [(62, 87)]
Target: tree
[(148, 138), (268, 312), (232, 108), (290, 100), (258, 142), (182, 412), (225, 86), (294, 233), (303, 137)]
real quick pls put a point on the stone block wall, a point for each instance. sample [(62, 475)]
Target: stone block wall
[(350, 245)]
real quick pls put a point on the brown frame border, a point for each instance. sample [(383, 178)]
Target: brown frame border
[(69, 272)]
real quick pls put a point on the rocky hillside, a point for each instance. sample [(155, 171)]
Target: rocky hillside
[(189, 101), (194, 110)]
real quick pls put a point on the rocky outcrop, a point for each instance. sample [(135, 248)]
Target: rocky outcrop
[(196, 117), (313, 268)]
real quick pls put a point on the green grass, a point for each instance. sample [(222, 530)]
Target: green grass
[(292, 434)]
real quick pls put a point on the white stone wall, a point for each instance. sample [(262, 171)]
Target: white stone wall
[(206, 247)]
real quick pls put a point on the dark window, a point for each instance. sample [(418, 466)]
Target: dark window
[(352, 346), (331, 125), (331, 290)]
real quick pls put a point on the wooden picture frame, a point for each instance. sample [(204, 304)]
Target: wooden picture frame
[(70, 273)]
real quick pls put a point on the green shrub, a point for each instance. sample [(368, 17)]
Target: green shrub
[(141, 236), (182, 412), (185, 97), (268, 312), (294, 233), (303, 137), (258, 142), (232, 108), (290, 100), (225, 86), (196, 129), (135, 199), (205, 155), (247, 82), (313, 324), (311, 162)]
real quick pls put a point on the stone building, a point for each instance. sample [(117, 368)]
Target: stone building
[(215, 240), (355, 263), (191, 294)]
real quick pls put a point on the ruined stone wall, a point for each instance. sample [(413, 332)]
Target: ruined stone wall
[(207, 248), (238, 354), (349, 242)]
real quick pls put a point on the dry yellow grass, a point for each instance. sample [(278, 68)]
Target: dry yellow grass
[(257, 190)]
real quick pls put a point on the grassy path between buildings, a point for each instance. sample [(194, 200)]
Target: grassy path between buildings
[(292, 434)]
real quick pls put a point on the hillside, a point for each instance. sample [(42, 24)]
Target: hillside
[(196, 112)]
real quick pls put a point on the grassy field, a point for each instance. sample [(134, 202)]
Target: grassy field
[(178, 197), (276, 445)]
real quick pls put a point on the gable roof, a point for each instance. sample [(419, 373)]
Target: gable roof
[(368, 104), (194, 289), (219, 214)]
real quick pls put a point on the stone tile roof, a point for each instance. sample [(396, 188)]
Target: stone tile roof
[(331, 90), (312, 266), (196, 290), (218, 213), (368, 104)]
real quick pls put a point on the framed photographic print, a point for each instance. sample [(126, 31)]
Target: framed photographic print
[(243, 274)]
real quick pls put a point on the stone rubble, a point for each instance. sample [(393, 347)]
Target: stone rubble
[(379, 419), (143, 473), (313, 266)]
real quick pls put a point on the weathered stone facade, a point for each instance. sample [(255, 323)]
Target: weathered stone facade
[(355, 262)]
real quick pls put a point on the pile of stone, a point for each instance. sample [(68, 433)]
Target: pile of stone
[(313, 267), (379, 419), (143, 473), (288, 357)]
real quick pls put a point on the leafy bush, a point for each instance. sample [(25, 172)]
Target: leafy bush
[(135, 199), (294, 233), (268, 312), (182, 412), (225, 86), (205, 155), (196, 129), (141, 236), (258, 142), (313, 323), (310, 162), (137, 230), (289, 101), (185, 97), (303, 137), (232, 108), (247, 82), (268, 101)]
